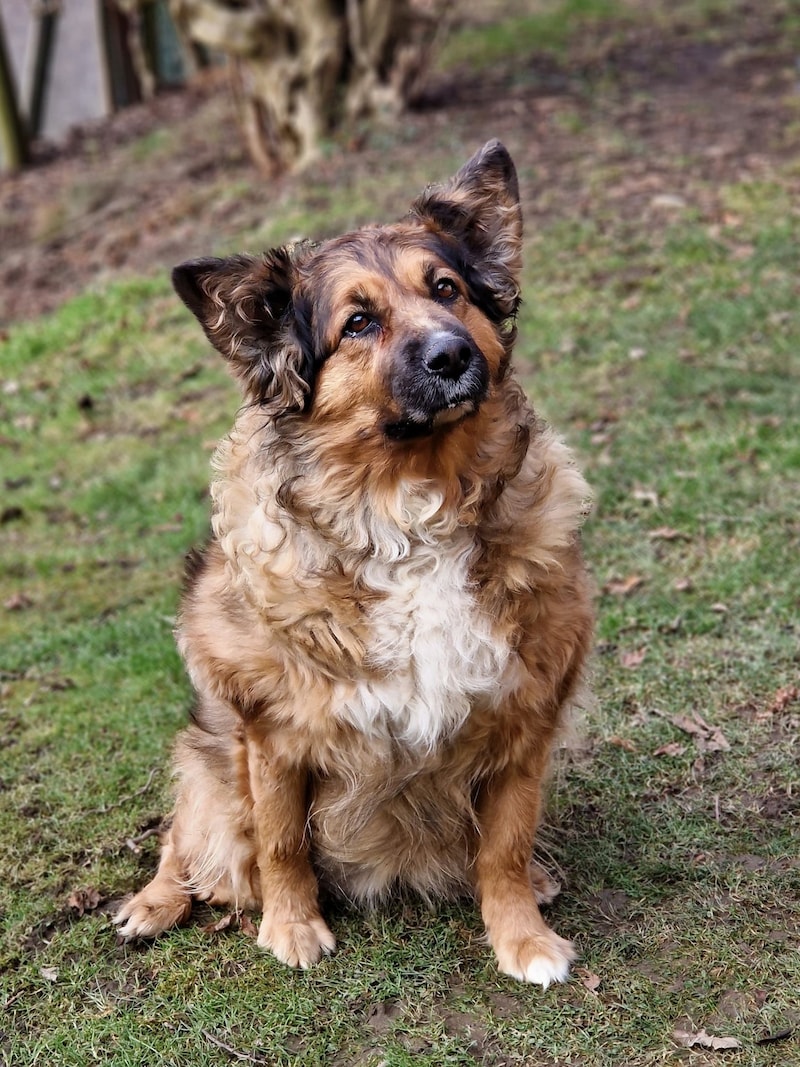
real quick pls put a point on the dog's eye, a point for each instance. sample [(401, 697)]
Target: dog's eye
[(356, 324), (445, 289)]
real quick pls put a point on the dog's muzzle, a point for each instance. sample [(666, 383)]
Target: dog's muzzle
[(439, 380)]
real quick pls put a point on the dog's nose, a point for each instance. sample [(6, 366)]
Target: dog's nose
[(447, 355)]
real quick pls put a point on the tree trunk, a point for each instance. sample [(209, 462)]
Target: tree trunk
[(300, 67), (12, 128)]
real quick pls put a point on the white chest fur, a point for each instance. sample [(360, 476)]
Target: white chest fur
[(435, 650)]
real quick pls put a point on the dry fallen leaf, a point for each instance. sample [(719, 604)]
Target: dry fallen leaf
[(622, 742), (232, 920), (707, 737), (83, 900), (220, 924), (247, 926), (683, 722), (667, 533), (633, 659), (589, 980), (623, 586), (783, 698), (674, 748), (704, 1040), (18, 602), (49, 973)]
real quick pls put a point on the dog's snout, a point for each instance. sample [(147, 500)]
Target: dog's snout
[(438, 378), (447, 355)]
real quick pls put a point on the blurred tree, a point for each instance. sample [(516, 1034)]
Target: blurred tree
[(13, 139), (300, 67)]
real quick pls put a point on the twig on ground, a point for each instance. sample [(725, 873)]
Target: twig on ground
[(232, 1051), (134, 842), (124, 800)]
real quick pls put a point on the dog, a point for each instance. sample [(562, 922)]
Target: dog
[(392, 615)]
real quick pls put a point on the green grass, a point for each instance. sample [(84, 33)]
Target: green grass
[(547, 31), (667, 353)]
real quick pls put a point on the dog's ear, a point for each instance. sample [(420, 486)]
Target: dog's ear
[(479, 207), (245, 306)]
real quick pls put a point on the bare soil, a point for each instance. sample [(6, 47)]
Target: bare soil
[(635, 121)]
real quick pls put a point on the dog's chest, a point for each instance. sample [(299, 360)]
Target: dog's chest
[(431, 649)]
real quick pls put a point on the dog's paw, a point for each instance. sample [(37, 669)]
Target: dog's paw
[(539, 958), (152, 911), (299, 943)]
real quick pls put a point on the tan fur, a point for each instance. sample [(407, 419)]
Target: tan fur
[(354, 579)]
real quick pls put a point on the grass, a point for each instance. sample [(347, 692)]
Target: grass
[(548, 30), (667, 352)]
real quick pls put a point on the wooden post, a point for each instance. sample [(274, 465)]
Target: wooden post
[(12, 129), (45, 20)]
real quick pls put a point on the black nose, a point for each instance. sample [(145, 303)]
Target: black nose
[(447, 355)]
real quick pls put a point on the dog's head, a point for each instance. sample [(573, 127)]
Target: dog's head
[(399, 330)]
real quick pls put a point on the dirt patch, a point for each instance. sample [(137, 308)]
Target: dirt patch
[(608, 129)]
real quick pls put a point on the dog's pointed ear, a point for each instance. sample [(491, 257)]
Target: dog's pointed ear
[(479, 207), (246, 308)]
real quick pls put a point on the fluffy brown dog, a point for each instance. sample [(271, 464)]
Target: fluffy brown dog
[(392, 614)]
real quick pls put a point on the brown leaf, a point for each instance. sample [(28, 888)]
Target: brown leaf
[(18, 602), (783, 698), (683, 722), (707, 737), (704, 1040), (622, 742), (623, 586), (247, 926), (589, 980), (683, 585), (674, 748), (717, 742), (83, 900), (633, 659), (220, 924), (667, 533)]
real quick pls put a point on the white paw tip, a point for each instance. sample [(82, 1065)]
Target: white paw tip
[(542, 970), (549, 964)]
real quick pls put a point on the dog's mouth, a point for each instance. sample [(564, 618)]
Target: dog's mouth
[(408, 428), (438, 385)]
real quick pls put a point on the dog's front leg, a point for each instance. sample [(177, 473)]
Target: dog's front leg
[(291, 926), (526, 948)]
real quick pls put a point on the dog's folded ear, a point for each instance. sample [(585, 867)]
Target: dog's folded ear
[(479, 207), (245, 306)]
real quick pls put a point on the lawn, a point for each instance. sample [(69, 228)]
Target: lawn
[(660, 333)]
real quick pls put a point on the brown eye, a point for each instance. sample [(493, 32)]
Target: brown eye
[(445, 289), (357, 324)]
